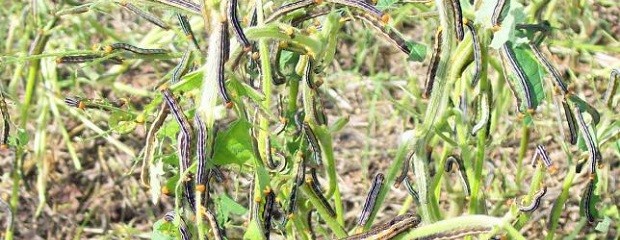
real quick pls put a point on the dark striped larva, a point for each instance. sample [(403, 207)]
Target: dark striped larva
[(550, 68), (149, 146), (587, 198), (541, 152), (131, 48), (187, 29), (612, 87), (185, 234), (595, 155), (233, 18), (432, 69), (289, 8), (267, 212), (224, 51), (146, 15), (412, 190), (477, 52), (391, 229), (6, 128), (369, 204), (404, 171), (314, 143), (484, 110), (317, 191), (497, 12), (201, 151), (572, 123), (310, 14), (364, 7), (309, 74), (87, 58), (184, 140), (521, 76), (310, 227), (182, 67), (457, 13), (450, 162), (184, 155), (176, 110), (299, 179), (75, 102), (387, 32), (535, 201), (218, 233), (187, 5)]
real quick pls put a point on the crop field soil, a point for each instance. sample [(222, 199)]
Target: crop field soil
[(309, 119)]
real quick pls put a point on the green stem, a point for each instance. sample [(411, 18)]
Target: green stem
[(535, 186), (37, 47), (558, 205), (438, 102), (331, 221), (394, 170), (485, 87), (525, 136), (325, 139)]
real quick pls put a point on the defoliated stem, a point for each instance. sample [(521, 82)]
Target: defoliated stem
[(436, 107)]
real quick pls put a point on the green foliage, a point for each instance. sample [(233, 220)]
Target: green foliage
[(164, 230), (418, 51), (234, 145)]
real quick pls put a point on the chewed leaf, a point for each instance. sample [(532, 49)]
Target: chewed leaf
[(156, 170), (529, 90), (227, 206), (418, 51), (234, 145), (507, 31), (385, 4), (287, 62), (534, 73), (585, 106), (253, 231)]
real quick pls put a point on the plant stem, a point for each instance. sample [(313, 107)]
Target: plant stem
[(331, 221), (525, 137), (438, 102), (558, 205), (394, 170)]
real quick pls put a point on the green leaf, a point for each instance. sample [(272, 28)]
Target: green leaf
[(20, 139), (418, 51), (125, 127), (585, 106), (534, 73), (385, 4), (190, 81), (171, 184), (234, 145), (253, 232), (227, 206), (603, 226), (534, 77), (594, 199), (169, 129), (243, 89), (287, 62), (164, 230)]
